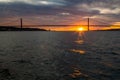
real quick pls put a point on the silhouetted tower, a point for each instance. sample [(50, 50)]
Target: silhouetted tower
[(88, 24), (21, 23)]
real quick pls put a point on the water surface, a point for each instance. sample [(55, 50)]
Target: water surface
[(60, 55)]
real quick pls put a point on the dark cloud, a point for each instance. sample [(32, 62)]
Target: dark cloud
[(22, 9), (108, 9)]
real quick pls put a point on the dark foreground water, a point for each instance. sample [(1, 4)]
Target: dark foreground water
[(60, 55)]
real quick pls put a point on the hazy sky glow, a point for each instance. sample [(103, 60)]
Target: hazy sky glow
[(59, 11)]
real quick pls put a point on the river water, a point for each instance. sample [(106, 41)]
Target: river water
[(31, 55)]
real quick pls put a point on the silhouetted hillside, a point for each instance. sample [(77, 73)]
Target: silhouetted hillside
[(12, 28), (109, 30)]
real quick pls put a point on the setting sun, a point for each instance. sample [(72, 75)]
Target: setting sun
[(80, 29)]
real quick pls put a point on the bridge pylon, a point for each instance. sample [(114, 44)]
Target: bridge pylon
[(21, 23), (88, 24)]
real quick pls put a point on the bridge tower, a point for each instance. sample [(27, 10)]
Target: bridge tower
[(21, 23), (88, 24)]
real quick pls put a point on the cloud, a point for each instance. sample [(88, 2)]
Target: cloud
[(36, 2), (102, 7), (108, 11), (64, 11)]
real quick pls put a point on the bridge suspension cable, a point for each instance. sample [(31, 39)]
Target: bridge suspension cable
[(8, 23)]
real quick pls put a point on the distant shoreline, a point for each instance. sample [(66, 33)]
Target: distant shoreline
[(12, 28)]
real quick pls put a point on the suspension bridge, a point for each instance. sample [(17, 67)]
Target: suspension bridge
[(88, 22)]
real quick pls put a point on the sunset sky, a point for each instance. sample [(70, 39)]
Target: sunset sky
[(60, 12)]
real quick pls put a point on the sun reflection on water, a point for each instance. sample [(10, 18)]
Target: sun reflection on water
[(78, 51), (77, 73), (80, 39)]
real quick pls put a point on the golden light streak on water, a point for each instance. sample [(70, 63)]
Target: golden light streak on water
[(78, 51)]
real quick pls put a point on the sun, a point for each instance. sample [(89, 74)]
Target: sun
[(80, 29)]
